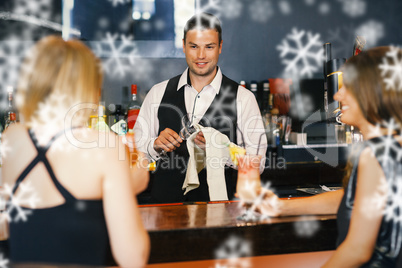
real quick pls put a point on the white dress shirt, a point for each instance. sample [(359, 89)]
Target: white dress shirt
[(249, 118)]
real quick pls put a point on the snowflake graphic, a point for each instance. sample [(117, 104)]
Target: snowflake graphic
[(119, 2), (306, 226), (307, 57), (261, 11), (285, 7), (387, 143), (341, 38), (304, 105), (391, 69), (11, 56), (39, 8), (233, 249), (354, 8), (220, 105), (309, 2), (324, 8), (372, 30), (389, 154), (14, 205), (118, 56), (3, 262), (222, 9), (393, 209), (261, 202)]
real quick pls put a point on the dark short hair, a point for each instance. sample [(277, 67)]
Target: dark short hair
[(203, 21)]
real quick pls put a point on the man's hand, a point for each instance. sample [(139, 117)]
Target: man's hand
[(199, 140), (167, 141)]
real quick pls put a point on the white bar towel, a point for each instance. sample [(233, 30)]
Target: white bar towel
[(214, 159)]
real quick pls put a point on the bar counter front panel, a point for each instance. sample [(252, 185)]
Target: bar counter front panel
[(188, 232)]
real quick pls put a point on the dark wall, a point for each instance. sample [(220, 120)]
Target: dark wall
[(252, 32)]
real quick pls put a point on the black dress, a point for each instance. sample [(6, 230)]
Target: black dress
[(389, 241), (72, 233)]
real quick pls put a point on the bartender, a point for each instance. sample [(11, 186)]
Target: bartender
[(212, 99)]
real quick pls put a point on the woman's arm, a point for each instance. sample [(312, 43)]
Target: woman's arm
[(366, 217), (325, 203), (321, 204), (128, 237)]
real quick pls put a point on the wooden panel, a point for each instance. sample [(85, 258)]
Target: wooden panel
[(194, 232)]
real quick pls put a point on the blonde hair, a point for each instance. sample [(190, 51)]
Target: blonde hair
[(56, 68)]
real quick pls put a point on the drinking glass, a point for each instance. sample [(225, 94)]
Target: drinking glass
[(340, 134), (288, 129), (248, 184), (187, 126)]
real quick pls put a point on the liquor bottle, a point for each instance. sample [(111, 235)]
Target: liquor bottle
[(243, 83), (133, 109), (117, 115), (101, 124), (10, 116), (265, 96), (254, 88)]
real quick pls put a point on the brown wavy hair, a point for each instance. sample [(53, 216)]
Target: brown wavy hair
[(366, 81)]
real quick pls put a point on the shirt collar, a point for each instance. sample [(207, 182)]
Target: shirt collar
[(216, 82)]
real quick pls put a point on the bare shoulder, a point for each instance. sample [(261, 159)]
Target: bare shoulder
[(369, 169), (13, 131)]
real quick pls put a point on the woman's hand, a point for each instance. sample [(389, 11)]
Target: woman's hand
[(270, 203)]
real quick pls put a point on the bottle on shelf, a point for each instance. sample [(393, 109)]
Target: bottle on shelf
[(243, 83), (10, 116), (254, 89), (265, 96), (116, 115), (101, 122), (133, 109)]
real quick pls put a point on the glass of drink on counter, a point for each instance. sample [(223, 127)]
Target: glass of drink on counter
[(248, 184)]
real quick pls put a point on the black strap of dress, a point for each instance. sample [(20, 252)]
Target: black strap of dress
[(41, 157)]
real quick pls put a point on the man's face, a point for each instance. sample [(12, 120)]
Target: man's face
[(202, 49)]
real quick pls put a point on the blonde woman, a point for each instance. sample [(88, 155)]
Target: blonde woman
[(85, 210), (369, 210)]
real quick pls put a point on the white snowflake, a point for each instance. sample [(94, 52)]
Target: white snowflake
[(341, 39), (233, 249), (219, 105), (15, 203), (304, 105), (261, 11), (307, 52), (393, 209), (118, 56), (309, 2), (354, 8), (372, 31), (285, 7), (391, 69), (222, 9), (250, 214), (387, 142), (306, 226), (11, 56), (39, 8), (3, 262), (119, 2), (324, 8)]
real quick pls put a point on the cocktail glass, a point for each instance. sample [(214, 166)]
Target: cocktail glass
[(248, 185)]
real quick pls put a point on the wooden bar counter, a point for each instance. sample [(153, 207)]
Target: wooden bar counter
[(192, 232)]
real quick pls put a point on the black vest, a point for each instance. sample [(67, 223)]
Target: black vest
[(171, 171)]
